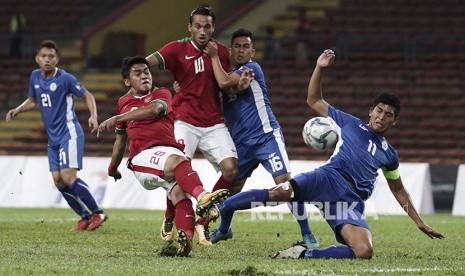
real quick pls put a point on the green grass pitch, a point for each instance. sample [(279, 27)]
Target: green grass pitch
[(39, 242)]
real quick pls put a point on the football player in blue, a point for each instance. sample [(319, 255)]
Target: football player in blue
[(52, 89), (253, 126), (348, 178)]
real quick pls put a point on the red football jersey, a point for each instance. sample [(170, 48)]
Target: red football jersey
[(198, 101), (154, 131)]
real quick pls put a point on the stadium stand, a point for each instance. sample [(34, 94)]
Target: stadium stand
[(410, 48), (413, 48)]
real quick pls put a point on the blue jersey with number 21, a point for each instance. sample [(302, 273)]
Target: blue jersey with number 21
[(54, 97)]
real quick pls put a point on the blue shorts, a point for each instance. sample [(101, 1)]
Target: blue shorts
[(271, 153), (66, 154), (332, 194)]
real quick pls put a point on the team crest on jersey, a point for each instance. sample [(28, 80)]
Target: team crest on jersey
[(36, 86), (384, 145), (53, 86), (78, 86)]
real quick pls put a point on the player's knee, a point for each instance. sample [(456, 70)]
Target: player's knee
[(364, 251), (228, 169), (281, 192), (177, 194)]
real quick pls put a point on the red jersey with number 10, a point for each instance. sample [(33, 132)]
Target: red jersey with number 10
[(197, 102), (149, 132)]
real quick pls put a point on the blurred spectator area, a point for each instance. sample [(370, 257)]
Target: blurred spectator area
[(412, 48)]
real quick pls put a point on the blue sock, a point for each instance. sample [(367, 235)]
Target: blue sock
[(240, 201), (301, 216), (81, 189), (333, 252), (75, 203)]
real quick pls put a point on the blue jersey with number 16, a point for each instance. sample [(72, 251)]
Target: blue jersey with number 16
[(248, 114), (54, 96)]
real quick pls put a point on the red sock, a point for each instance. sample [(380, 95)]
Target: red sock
[(203, 221), (169, 213), (188, 179), (185, 218), (222, 184)]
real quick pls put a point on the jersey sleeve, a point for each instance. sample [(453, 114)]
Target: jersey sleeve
[(392, 168), (31, 93), (340, 117), (120, 127), (166, 55), (163, 97), (252, 65), (74, 86), (224, 57)]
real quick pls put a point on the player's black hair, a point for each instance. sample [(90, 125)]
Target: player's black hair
[(203, 9), (130, 61), (241, 32), (50, 44), (388, 99)]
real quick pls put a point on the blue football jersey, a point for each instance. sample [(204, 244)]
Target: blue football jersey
[(54, 96), (248, 114), (360, 152)]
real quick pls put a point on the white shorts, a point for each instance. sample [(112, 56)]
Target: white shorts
[(214, 142), (148, 167)]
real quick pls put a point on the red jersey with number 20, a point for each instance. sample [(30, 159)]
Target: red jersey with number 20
[(197, 102), (149, 132)]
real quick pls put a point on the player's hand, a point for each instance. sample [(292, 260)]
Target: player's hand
[(430, 232), (108, 124), (12, 113), (115, 174), (176, 86), (246, 79), (211, 49), (326, 59), (93, 124)]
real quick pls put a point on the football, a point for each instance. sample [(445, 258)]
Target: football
[(320, 133)]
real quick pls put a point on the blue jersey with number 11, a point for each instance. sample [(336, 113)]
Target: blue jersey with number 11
[(54, 96), (360, 152)]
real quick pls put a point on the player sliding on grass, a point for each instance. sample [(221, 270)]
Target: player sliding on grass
[(145, 117), (348, 178)]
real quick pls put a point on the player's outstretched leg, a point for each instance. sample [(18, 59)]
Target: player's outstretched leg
[(299, 251), (208, 200)]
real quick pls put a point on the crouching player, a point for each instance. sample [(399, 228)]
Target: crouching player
[(145, 117)]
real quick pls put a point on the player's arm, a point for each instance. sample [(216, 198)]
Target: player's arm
[(155, 109), (403, 197), (153, 60), (314, 93), (119, 147), (28, 104), (231, 83), (92, 106)]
